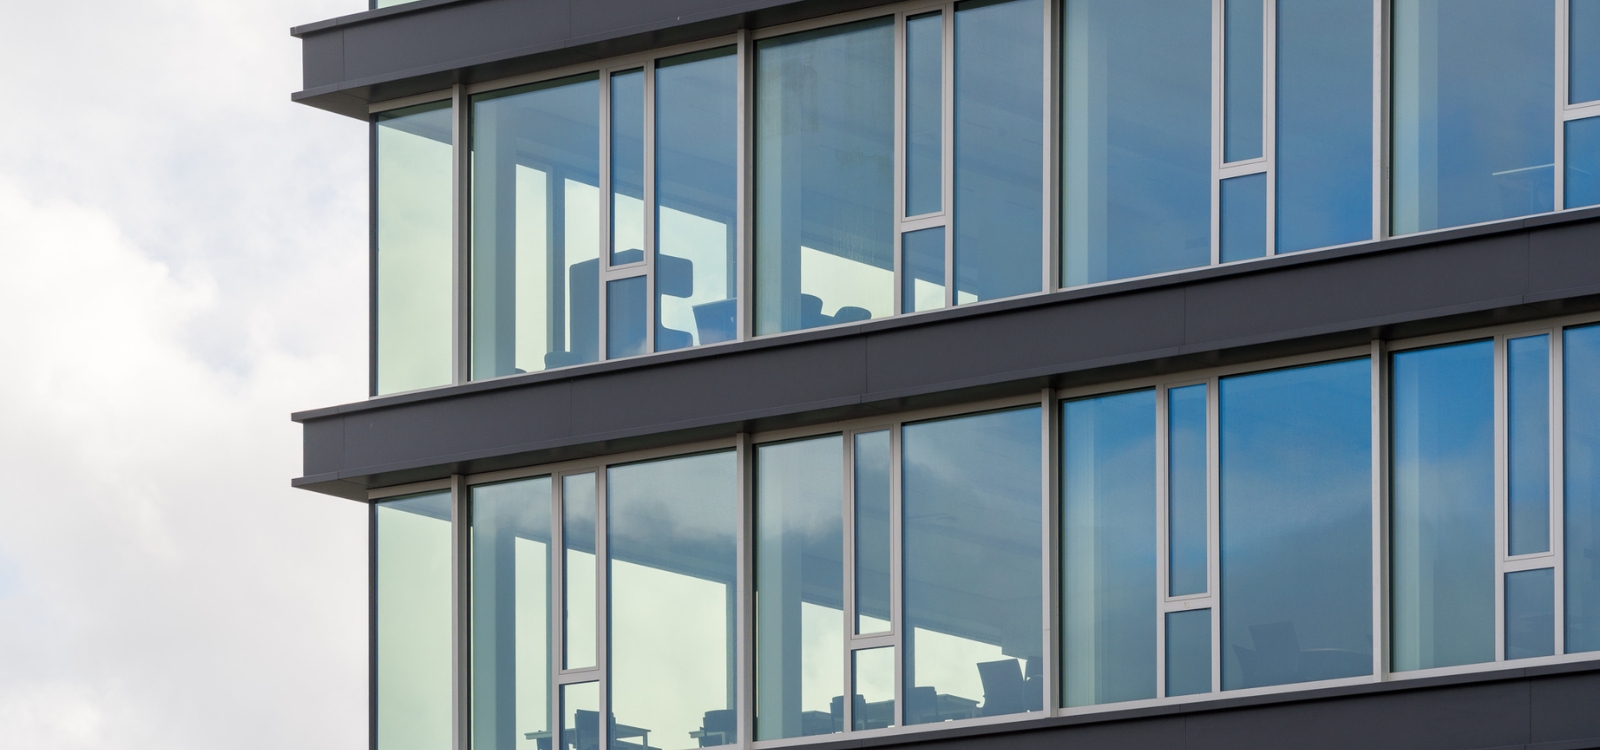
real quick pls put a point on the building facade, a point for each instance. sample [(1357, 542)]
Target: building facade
[(1025, 373)]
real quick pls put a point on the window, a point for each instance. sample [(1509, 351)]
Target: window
[(511, 595), (413, 664), (1581, 359), (413, 311)]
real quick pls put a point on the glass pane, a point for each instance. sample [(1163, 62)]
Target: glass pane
[(922, 270), (1583, 162), (1442, 500), (1528, 499), (1474, 136), (1108, 548), (1188, 652), (1296, 525), (799, 587), (671, 527), (1136, 152), (580, 716), (1242, 86), (999, 149), (627, 167), (874, 688), (1244, 217), (414, 652), (872, 467), (1188, 519), (1580, 353), (536, 227), (972, 505), (415, 276), (578, 537), (924, 114), (824, 151), (511, 614), (697, 179), (625, 316), (1583, 63), (1323, 153), (1531, 613)]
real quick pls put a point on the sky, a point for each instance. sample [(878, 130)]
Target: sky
[(184, 265)]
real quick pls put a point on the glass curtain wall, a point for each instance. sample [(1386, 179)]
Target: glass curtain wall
[(511, 628), (1581, 401), (413, 700), (413, 313)]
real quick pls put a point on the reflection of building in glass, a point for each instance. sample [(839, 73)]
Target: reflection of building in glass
[(1146, 372)]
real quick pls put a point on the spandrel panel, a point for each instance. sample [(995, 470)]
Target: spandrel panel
[(697, 181), (535, 227), (1442, 500), (1528, 443), (1108, 548), (414, 662), (1243, 37), (873, 549), (415, 247), (1323, 152), (799, 587), (672, 527), (1580, 353), (1136, 144), (824, 173), (511, 610), (924, 114), (973, 557), (1296, 524), (999, 149), (1474, 130)]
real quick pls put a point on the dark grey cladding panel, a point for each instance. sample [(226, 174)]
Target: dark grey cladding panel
[(1221, 315), (1566, 708), (452, 35)]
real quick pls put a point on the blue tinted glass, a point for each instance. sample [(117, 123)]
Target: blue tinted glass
[(1528, 499), (625, 316), (1242, 87), (1583, 63), (414, 154), (1442, 500), (924, 114), (872, 677), (1580, 353), (536, 227), (824, 152), (1189, 652), (1324, 149), (799, 586), (412, 649), (1531, 613), (1474, 136), (1187, 523), (872, 468), (1136, 151), (922, 270), (579, 571), (1108, 548), (972, 505), (1296, 526), (1244, 217), (999, 149), (627, 167), (511, 609), (697, 186), (671, 527), (1583, 163)]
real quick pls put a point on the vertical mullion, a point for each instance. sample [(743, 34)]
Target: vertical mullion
[(1561, 55), (461, 230), (743, 207), (850, 614), (1269, 117), (744, 692), (602, 604), (901, 138), (1381, 55), (607, 196), (372, 274), (460, 599), (1214, 525), (896, 587), (372, 623), (1558, 486), (1163, 534), (1380, 509), (1218, 23), (1501, 469), (558, 591), (947, 159), (1050, 423), (650, 206), (1052, 143)]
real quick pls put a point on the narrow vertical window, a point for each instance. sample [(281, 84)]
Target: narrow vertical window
[(1530, 613), (1244, 217), (1474, 134), (872, 532), (579, 570), (535, 227), (824, 173), (414, 654), (625, 316), (415, 249), (1583, 54), (1108, 548), (1528, 443), (1322, 153), (1188, 525), (1244, 32), (922, 270), (999, 148), (1580, 361), (1583, 163), (972, 497), (697, 185), (799, 587), (1296, 528), (511, 612), (1136, 129), (924, 114), (627, 167), (1442, 499)]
